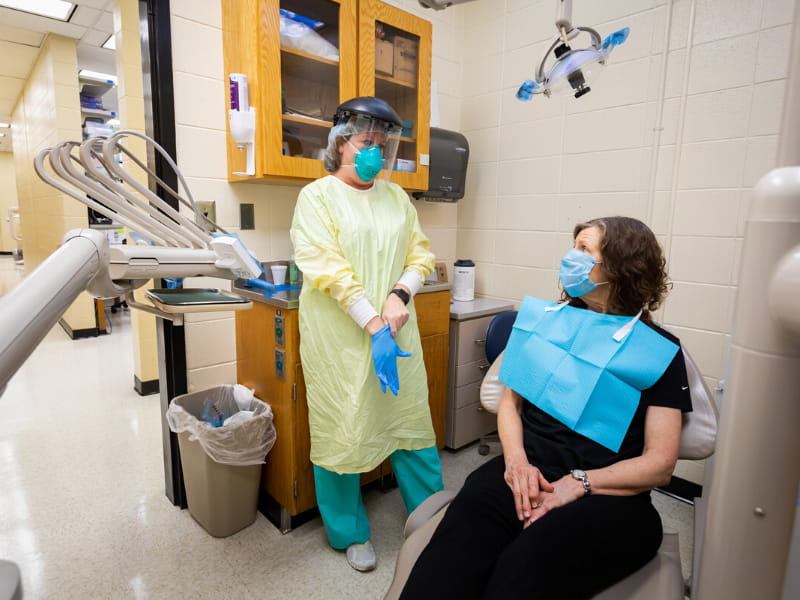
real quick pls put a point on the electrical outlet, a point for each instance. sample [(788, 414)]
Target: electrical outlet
[(209, 209), (441, 272)]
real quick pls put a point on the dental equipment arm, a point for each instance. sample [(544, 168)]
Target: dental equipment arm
[(85, 260)]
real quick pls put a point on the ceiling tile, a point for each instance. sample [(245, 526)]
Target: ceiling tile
[(105, 22), (23, 20), (101, 4), (93, 37), (86, 17)]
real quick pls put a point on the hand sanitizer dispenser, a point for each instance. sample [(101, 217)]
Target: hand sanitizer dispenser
[(242, 120)]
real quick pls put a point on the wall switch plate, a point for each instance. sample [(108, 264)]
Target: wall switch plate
[(209, 209), (247, 216)]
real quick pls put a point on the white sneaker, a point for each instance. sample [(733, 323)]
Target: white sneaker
[(362, 556)]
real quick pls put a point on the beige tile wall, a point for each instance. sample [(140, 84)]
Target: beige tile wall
[(8, 198), (46, 113), (538, 167), (542, 166)]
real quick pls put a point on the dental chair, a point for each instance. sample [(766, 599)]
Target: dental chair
[(661, 578), (497, 334)]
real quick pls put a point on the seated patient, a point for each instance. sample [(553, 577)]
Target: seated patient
[(566, 511)]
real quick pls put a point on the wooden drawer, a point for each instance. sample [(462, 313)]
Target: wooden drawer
[(433, 313), (469, 423), (471, 372), (472, 339)]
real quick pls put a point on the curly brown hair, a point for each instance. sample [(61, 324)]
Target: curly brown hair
[(634, 264)]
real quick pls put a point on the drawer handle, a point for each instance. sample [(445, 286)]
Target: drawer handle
[(480, 408), (484, 366), (480, 342)]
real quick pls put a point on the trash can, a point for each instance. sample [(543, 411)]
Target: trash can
[(224, 435), (10, 581)]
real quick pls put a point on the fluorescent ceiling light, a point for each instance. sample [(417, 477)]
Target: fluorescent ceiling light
[(5, 124), (2, 135), (97, 75), (55, 9), (110, 43)]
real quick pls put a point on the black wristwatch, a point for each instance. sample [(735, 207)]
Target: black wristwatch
[(402, 294), (584, 479)]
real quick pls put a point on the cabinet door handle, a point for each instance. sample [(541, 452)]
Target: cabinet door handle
[(484, 366), (480, 342)]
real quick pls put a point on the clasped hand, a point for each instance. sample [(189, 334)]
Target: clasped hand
[(534, 496), (384, 357), (394, 313)]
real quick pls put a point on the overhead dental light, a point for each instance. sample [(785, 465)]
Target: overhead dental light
[(441, 4), (572, 68)]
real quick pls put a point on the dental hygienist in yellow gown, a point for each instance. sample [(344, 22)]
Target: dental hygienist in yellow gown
[(363, 256)]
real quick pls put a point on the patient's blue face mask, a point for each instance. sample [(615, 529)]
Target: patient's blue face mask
[(574, 273), (368, 162)]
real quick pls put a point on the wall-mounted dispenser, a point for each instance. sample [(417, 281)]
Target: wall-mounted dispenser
[(448, 169), (242, 120)]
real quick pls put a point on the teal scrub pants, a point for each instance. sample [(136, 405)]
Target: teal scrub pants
[(418, 474)]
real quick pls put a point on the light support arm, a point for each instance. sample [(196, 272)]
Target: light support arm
[(33, 306)]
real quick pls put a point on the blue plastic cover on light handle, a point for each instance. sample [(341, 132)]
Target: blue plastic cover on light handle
[(527, 90), (616, 38)]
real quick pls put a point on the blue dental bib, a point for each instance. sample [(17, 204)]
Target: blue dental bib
[(585, 369)]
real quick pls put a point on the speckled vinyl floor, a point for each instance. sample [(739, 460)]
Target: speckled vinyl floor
[(84, 515)]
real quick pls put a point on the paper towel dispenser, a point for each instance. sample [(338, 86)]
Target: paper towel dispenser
[(447, 173)]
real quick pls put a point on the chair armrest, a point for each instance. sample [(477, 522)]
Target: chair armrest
[(491, 387), (423, 513)]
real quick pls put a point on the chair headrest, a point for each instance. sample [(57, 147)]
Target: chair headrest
[(498, 332), (699, 431)]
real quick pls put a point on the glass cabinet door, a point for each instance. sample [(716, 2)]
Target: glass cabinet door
[(300, 60), (395, 65), (317, 72)]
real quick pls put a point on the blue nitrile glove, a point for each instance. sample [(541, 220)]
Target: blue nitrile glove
[(269, 289), (384, 356)]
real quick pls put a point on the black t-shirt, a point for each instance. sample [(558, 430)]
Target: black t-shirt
[(556, 449)]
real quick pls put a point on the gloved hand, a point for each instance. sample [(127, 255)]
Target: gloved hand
[(384, 357)]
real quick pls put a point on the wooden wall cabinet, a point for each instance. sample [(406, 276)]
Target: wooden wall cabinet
[(295, 91), (268, 351)]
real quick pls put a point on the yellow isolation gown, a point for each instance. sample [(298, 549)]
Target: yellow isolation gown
[(351, 243)]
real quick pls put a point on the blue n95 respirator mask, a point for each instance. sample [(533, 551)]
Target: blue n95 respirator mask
[(574, 273), (368, 162)]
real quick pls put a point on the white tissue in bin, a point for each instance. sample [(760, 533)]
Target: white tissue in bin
[(235, 257), (406, 166)]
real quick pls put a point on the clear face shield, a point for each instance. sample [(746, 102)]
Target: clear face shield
[(373, 141)]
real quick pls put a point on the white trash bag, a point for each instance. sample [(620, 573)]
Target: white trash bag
[(231, 424)]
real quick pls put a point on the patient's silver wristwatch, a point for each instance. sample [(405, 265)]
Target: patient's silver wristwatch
[(584, 479)]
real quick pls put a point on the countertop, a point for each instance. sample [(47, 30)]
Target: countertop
[(290, 299), (479, 307)]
